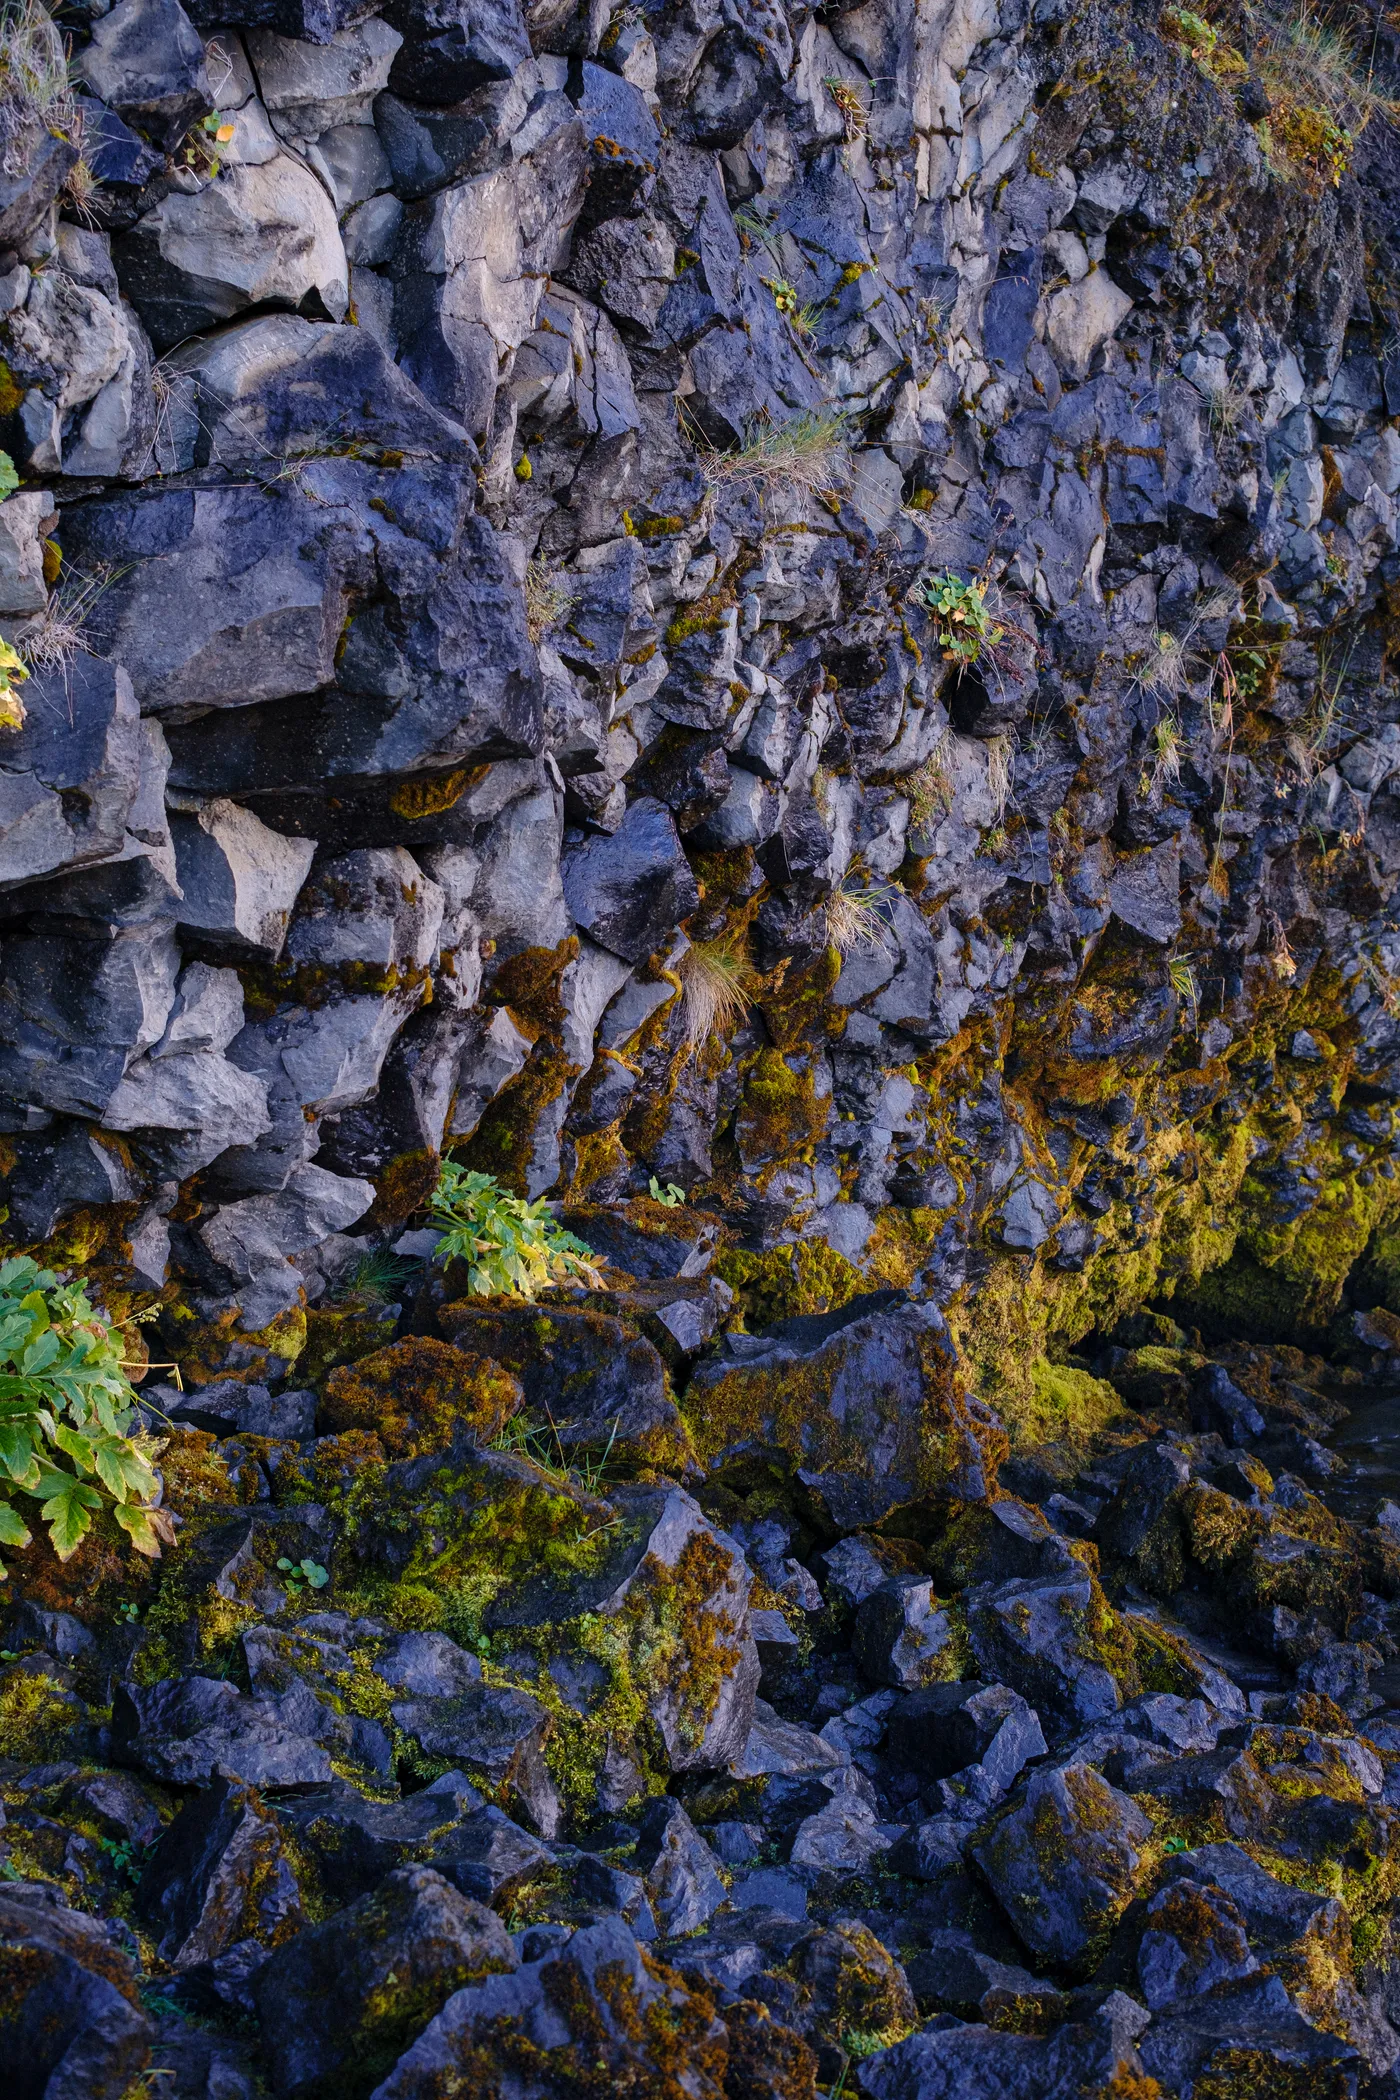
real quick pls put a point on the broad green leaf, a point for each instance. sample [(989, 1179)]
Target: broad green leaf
[(69, 1517), (17, 1455), (144, 1527), (123, 1470), (13, 1529), (79, 1449)]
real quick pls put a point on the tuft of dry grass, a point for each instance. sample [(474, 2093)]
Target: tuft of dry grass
[(1001, 762), (1310, 68), (930, 787), (547, 599), (58, 634), (1175, 660), (857, 921), (36, 90), (809, 453), (717, 987)]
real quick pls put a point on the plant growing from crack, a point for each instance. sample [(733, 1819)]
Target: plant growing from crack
[(66, 1414), (857, 920), (717, 985), (505, 1243), (810, 453)]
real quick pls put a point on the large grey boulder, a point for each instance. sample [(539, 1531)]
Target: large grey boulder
[(74, 1011), (64, 1168), (310, 88), (278, 386), (1066, 1860), (186, 1087), (471, 265), (69, 777), (452, 46), (628, 889), (374, 906), (25, 520), (263, 234), (146, 61), (246, 1244), (313, 1061), (591, 2003), (217, 1877), (238, 879), (223, 596), (863, 1405), (71, 2022), (434, 673)]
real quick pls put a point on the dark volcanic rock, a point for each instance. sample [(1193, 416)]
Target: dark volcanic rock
[(340, 2004)]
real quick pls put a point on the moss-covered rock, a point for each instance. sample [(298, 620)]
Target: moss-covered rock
[(413, 1395)]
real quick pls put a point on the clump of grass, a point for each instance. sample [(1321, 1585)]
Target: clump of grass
[(1001, 761), (1174, 661), (1227, 406), (930, 787), (1321, 97), (808, 453), (58, 634), (377, 1278), (717, 985), (1183, 983), (1310, 745), (36, 90), (547, 599), (857, 921), (1166, 749)]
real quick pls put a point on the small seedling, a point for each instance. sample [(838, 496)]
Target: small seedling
[(128, 1614), (965, 628), (670, 1196), (303, 1574), (125, 1856), (1175, 1844)]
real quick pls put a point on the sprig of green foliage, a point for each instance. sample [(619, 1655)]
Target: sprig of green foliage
[(506, 1243), (965, 627), (66, 1410)]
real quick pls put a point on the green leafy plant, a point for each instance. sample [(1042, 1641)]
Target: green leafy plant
[(506, 1243), (965, 627), (671, 1196), (302, 1575), (9, 477), (126, 1857), (128, 1614), (1174, 1845), (66, 1414)]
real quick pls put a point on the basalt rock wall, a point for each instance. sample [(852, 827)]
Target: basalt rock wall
[(481, 472)]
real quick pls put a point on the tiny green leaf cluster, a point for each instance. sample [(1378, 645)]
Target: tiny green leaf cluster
[(505, 1243), (66, 1410), (303, 1574)]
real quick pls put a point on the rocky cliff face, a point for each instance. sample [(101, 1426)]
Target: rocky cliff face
[(776, 626), (485, 483)]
